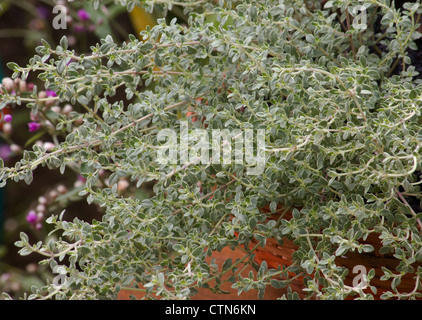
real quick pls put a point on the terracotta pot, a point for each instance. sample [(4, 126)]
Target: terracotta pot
[(273, 253), (276, 255), (231, 294), (375, 260), (281, 255)]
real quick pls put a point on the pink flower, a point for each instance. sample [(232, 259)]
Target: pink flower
[(31, 217), (83, 15), (50, 93), (5, 151), (8, 118), (78, 29), (34, 117), (34, 126)]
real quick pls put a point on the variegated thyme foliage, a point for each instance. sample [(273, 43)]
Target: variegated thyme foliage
[(340, 104)]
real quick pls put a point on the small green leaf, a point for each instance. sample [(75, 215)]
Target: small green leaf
[(227, 264), (278, 284), (161, 279), (64, 42), (412, 94), (83, 100), (367, 248)]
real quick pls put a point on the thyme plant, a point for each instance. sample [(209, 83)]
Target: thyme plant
[(330, 82)]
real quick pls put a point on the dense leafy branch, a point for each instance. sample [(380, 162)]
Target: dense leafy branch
[(342, 147)]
